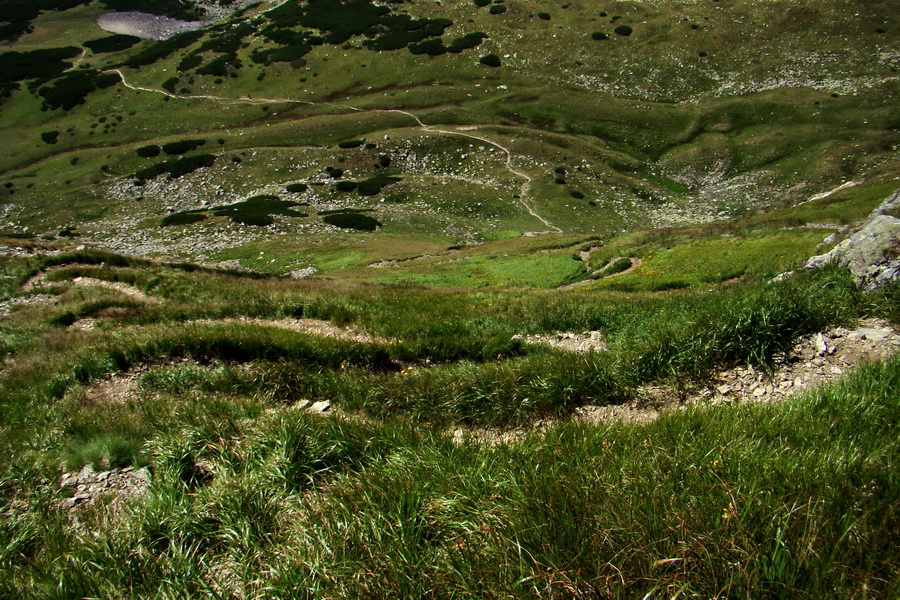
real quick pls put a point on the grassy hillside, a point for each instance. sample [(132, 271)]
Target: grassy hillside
[(703, 112), (274, 298)]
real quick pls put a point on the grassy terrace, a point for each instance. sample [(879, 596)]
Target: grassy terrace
[(371, 204), (253, 497)]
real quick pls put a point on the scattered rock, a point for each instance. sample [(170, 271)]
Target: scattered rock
[(113, 487), (303, 273), (568, 341), (813, 361), (320, 406)]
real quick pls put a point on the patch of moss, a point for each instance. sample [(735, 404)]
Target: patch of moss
[(71, 89)]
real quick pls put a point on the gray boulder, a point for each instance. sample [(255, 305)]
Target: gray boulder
[(872, 254)]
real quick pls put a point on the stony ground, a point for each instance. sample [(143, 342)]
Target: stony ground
[(814, 361)]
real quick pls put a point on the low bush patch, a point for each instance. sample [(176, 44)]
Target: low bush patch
[(113, 43), (258, 210), (491, 60), (352, 220), (182, 147)]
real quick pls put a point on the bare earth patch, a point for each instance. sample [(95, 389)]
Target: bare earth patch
[(313, 326)]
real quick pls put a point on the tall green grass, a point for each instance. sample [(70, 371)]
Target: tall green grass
[(792, 500)]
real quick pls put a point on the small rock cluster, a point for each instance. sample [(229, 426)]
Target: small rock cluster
[(568, 341), (815, 360), (320, 407), (89, 486)]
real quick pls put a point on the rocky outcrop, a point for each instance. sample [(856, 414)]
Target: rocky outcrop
[(87, 487), (872, 254)]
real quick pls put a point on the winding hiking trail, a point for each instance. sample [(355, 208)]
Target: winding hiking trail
[(524, 189)]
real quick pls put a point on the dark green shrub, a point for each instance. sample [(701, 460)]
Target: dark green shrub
[(351, 144), (175, 168), (222, 66), (335, 173), (49, 137), (18, 66), (384, 160), (162, 49), (182, 147), (71, 89), (482, 3), (623, 30), (170, 84), (148, 151), (373, 185), (544, 16), (577, 195), (599, 35), (560, 181), (189, 62), (352, 220), (296, 188), (182, 218), (113, 43), (560, 170), (345, 186), (432, 47), (470, 40), (258, 210), (491, 60), (10, 32), (498, 9)]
